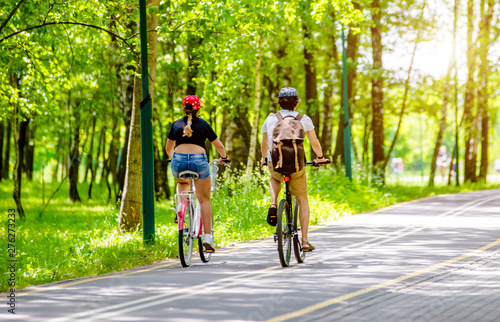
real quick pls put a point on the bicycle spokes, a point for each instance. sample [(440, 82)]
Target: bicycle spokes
[(185, 233), (283, 232)]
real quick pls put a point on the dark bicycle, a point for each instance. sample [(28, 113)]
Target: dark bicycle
[(288, 226)]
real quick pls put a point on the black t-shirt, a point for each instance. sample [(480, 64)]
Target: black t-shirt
[(201, 131)]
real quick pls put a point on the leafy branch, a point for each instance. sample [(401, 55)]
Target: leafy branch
[(12, 12), (70, 23)]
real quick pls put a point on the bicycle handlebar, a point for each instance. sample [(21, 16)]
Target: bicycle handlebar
[(314, 164), (226, 161)]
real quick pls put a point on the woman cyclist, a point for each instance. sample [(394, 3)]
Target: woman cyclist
[(186, 147)]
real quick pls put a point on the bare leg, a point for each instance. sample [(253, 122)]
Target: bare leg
[(274, 188), (303, 216), (182, 186), (203, 194)]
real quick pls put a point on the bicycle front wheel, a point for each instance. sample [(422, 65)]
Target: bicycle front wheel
[(283, 232), (300, 255), (185, 233)]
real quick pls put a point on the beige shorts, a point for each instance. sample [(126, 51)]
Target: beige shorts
[(298, 180)]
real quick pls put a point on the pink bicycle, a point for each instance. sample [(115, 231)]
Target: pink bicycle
[(189, 217)]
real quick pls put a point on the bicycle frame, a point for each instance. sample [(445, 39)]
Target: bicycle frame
[(287, 225), (288, 198), (191, 201), (191, 228)]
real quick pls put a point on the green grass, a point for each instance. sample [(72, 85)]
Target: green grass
[(74, 240)]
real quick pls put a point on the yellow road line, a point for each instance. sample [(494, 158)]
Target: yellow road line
[(348, 296)]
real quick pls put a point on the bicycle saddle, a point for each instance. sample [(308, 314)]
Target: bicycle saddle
[(188, 175)]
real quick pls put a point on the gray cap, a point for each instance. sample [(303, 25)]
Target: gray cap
[(288, 92)]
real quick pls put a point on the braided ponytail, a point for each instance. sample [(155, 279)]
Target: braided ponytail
[(187, 129)]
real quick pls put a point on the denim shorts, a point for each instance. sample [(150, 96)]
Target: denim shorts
[(197, 162)]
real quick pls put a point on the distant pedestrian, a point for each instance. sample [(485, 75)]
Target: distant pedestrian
[(397, 166), (497, 166), (443, 161)]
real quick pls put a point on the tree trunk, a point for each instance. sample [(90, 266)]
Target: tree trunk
[(2, 131), (90, 154), (105, 166), (442, 122), (102, 147), (377, 93), (256, 110), (482, 102), (74, 158), (122, 165), (6, 160), (194, 64), (312, 107), (366, 139), (20, 138), (470, 128), (58, 158), (130, 217), (236, 131), (125, 97), (19, 131), (30, 153), (112, 161), (95, 165), (160, 168), (351, 55), (20, 143), (332, 63)]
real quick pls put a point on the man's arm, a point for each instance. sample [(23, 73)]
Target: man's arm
[(316, 146), (264, 148)]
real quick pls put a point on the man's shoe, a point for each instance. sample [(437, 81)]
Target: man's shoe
[(208, 243), (272, 216), (307, 246)]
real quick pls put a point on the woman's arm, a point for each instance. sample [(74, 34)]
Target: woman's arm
[(316, 146), (169, 147), (220, 148)]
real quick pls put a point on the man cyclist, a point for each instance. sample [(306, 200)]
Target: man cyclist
[(288, 101)]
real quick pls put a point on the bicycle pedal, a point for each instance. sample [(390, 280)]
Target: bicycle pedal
[(209, 251)]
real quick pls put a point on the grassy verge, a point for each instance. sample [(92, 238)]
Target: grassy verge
[(73, 240)]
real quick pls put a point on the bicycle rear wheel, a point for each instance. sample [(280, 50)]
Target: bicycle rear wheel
[(204, 255), (185, 233), (300, 255), (283, 232)]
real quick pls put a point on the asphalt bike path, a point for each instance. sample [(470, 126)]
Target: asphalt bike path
[(434, 259)]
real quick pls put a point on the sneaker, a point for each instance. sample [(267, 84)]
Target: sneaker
[(208, 243)]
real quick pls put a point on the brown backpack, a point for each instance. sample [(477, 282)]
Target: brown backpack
[(287, 152)]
